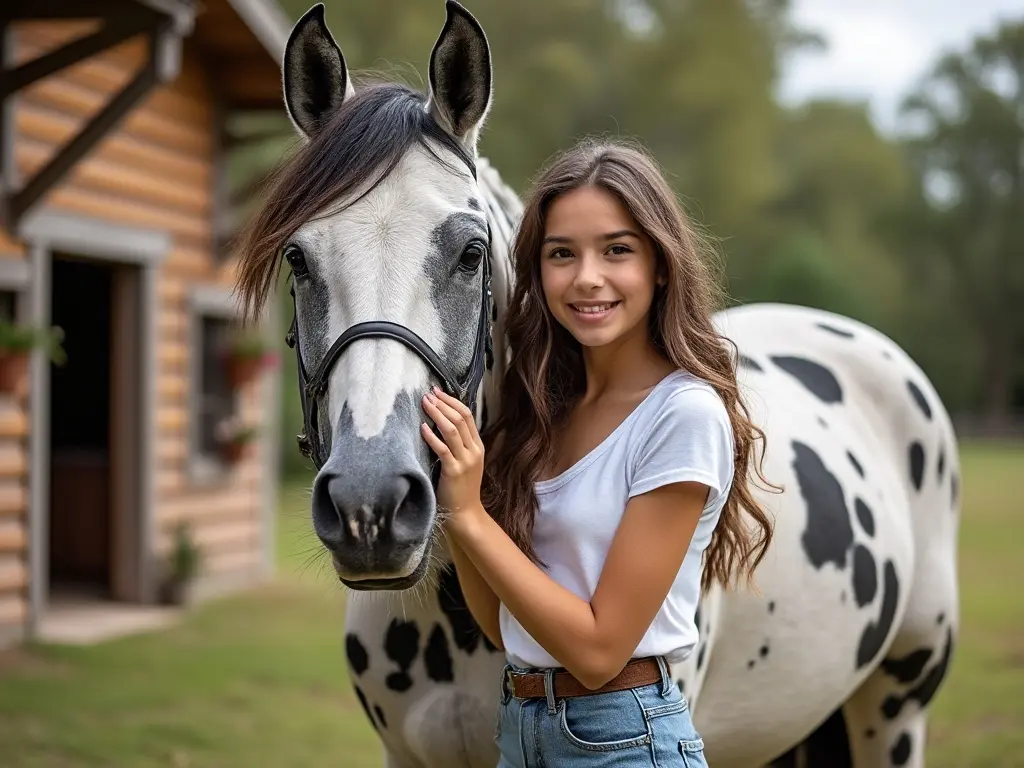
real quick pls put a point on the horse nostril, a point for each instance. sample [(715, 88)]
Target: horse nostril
[(347, 512)]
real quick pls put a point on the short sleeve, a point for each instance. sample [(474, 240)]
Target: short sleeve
[(689, 439)]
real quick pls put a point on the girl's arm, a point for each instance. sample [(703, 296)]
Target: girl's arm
[(480, 598), (594, 640)]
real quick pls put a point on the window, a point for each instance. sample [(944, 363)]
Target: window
[(8, 306), (212, 399), (216, 400)]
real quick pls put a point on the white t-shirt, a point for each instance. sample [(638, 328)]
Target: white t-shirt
[(680, 431)]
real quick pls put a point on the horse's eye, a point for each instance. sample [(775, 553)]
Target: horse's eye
[(296, 259), (471, 257)]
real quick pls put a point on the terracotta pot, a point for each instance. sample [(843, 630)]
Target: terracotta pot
[(13, 372), (241, 370), (233, 452)]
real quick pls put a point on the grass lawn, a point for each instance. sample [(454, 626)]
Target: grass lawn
[(258, 680)]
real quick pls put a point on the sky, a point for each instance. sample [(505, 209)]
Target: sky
[(878, 49)]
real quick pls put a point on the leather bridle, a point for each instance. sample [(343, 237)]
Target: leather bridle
[(312, 388)]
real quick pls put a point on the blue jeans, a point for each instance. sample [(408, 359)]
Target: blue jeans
[(645, 727)]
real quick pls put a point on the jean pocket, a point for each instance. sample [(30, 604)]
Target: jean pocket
[(693, 753), (604, 722)]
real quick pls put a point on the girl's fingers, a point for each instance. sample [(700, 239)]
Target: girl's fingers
[(439, 447), (450, 433), (466, 428), (470, 435)]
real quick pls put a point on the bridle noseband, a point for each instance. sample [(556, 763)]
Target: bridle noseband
[(465, 389)]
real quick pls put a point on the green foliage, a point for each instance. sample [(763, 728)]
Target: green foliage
[(185, 557), (23, 338)]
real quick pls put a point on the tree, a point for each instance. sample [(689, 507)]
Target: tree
[(966, 225)]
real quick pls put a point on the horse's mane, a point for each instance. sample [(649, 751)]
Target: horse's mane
[(354, 151)]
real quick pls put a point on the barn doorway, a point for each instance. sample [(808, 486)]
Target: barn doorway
[(94, 433)]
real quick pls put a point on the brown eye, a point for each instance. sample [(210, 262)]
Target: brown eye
[(296, 259), (472, 256)]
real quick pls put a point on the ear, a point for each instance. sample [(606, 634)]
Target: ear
[(316, 80), (460, 76)]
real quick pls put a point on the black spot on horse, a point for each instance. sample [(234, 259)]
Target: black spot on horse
[(910, 667), (865, 580), (771, 606), (474, 204), (919, 398), (875, 633), (856, 464), (465, 631), (380, 716), (954, 489), (358, 658), (818, 379), (916, 454), (941, 618), (900, 752), (681, 685), (829, 533), (870, 733), (437, 658), (837, 331), (750, 664), (941, 467), (750, 363), (924, 691), (401, 644), (823, 423), (864, 516), (366, 707), (886, 354), (763, 650)]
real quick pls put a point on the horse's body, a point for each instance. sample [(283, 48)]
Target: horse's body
[(833, 663)]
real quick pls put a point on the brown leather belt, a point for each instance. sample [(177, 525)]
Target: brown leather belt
[(637, 673)]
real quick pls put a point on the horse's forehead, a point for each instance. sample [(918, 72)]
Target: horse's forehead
[(398, 216)]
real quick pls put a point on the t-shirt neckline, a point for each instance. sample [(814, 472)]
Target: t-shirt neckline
[(556, 482)]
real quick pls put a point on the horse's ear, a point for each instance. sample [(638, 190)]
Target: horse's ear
[(460, 75), (316, 80)]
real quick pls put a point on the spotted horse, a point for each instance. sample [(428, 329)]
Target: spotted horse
[(402, 282)]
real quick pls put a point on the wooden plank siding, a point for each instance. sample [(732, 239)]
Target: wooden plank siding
[(156, 170)]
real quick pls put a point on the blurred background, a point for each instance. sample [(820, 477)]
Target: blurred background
[(866, 158)]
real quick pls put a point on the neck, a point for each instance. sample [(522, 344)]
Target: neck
[(625, 366)]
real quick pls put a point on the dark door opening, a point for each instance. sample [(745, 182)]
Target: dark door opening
[(80, 521)]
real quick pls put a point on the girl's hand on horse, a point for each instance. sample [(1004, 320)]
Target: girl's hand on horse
[(461, 452)]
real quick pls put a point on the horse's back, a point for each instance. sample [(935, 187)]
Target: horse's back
[(867, 457)]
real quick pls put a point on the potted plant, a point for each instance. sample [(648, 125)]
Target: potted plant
[(16, 343), (247, 353), (183, 565), (234, 438)]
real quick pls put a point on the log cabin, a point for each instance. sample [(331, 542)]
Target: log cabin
[(114, 229)]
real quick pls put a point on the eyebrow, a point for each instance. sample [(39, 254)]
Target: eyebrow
[(610, 236)]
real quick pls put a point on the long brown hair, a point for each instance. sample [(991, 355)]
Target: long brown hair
[(546, 375)]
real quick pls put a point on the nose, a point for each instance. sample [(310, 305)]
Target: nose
[(588, 272), (371, 523)]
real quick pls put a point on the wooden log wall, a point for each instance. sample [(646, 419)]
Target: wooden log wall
[(156, 171)]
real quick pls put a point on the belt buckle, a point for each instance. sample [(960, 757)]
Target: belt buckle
[(509, 688)]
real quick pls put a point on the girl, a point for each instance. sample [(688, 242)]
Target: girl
[(618, 462)]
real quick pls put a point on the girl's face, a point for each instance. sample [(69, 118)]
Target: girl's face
[(598, 269)]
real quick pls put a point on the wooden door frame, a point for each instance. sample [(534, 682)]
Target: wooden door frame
[(47, 232)]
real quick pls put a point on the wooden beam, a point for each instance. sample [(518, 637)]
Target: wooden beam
[(162, 65), (110, 34)]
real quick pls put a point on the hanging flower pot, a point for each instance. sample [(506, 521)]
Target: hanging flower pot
[(245, 357), (16, 345), (234, 440)]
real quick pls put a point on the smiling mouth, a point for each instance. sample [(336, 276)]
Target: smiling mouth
[(594, 311)]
